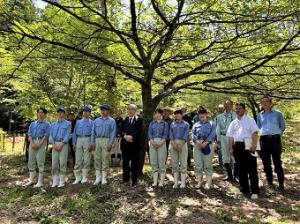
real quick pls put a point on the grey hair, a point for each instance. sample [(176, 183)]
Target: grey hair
[(132, 106)]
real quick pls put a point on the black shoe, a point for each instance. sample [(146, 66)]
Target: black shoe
[(227, 178), (281, 188), (237, 179)]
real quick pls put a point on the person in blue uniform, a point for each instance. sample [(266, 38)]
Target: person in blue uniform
[(157, 135), (82, 145), (60, 134), (38, 134), (103, 137), (203, 133), (179, 136)]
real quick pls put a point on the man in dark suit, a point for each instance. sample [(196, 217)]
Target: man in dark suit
[(131, 132)]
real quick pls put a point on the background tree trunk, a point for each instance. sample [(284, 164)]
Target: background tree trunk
[(147, 115)]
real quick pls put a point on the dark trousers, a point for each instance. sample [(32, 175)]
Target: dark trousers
[(247, 168), (167, 145), (130, 154), (271, 148), (72, 152)]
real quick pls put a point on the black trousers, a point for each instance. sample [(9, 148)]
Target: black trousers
[(72, 152), (247, 168), (271, 149), (131, 158)]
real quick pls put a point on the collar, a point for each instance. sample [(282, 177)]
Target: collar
[(61, 121), (104, 118), (268, 112), (242, 118), (204, 122), (161, 121)]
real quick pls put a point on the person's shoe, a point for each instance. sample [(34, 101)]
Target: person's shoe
[(183, 180), (208, 182), (61, 181), (55, 181), (199, 179), (77, 177), (281, 188), (254, 196), (84, 176), (98, 177), (227, 178), (155, 178), (31, 179), (175, 180), (162, 179), (40, 182), (134, 183), (236, 179), (103, 180)]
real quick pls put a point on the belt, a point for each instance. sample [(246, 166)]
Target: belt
[(270, 136), (59, 140), (101, 137), (37, 138), (83, 136)]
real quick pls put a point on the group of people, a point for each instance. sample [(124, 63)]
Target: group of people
[(236, 135)]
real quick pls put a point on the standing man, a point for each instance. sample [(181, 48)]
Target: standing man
[(82, 145), (38, 134), (59, 137), (220, 110), (103, 137), (179, 136), (167, 111), (72, 119), (223, 120), (131, 144), (271, 124), (240, 131)]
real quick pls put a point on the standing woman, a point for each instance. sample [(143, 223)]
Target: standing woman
[(203, 135), (38, 134), (158, 134), (59, 137), (179, 135), (82, 145)]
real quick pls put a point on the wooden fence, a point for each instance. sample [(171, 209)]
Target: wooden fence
[(12, 143)]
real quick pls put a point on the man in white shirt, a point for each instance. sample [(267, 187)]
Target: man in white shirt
[(240, 130)]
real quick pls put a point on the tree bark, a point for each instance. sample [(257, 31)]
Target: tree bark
[(148, 110)]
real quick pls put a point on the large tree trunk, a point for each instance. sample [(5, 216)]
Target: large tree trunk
[(148, 110)]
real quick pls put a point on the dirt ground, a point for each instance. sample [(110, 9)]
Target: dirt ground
[(119, 203)]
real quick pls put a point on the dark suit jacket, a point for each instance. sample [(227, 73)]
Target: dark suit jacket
[(135, 129)]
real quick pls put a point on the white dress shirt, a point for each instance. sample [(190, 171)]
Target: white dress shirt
[(242, 129)]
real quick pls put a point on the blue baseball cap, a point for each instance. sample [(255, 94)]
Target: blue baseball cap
[(87, 108), (104, 106), (61, 109)]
